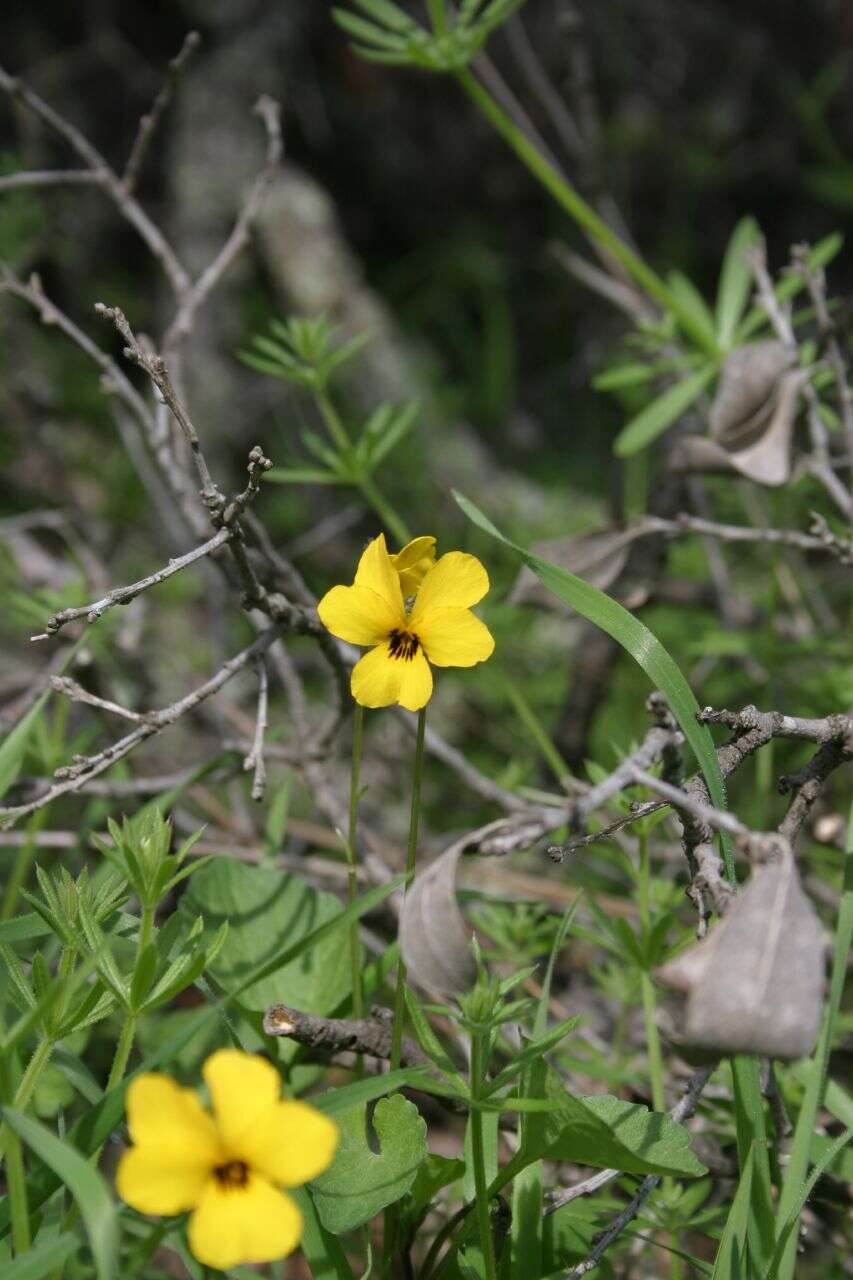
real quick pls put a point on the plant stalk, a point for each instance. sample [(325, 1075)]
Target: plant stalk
[(478, 1158)]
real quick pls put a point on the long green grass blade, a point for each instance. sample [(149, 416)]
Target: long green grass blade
[(731, 1261), (652, 421), (788, 1232), (42, 1259), (735, 280), (96, 1205)]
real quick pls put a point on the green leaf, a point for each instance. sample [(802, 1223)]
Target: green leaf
[(643, 646), (623, 375), (323, 1252), (88, 1188), (362, 1181), (268, 910), (662, 412), (788, 1230), (41, 1259), (692, 303), (735, 280), (301, 475)]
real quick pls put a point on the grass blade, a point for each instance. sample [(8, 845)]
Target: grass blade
[(89, 1189), (42, 1258), (735, 280)]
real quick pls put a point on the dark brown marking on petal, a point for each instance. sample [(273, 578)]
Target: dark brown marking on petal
[(403, 644), (232, 1176)]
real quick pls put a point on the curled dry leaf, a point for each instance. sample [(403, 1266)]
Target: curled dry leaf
[(751, 422), (598, 558), (755, 983), (435, 941)]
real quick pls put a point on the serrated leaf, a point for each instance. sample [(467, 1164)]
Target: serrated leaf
[(362, 1181), (736, 280), (652, 421)]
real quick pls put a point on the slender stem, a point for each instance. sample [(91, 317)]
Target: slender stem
[(16, 1182), (391, 1216), (578, 209), (653, 1048), (30, 1078), (366, 485), (352, 861), (393, 522), (146, 929), (411, 850), (478, 1158), (122, 1053)]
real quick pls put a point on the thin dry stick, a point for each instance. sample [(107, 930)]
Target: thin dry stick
[(149, 122), (83, 768), (106, 177), (682, 1112), (255, 758), (124, 595)]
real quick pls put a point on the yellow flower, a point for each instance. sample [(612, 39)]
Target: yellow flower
[(413, 563), (227, 1166), (440, 629)]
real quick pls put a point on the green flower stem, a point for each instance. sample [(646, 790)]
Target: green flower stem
[(364, 483), (21, 868), (122, 1053), (411, 850), (578, 209), (478, 1158), (352, 861), (653, 1048), (391, 1216), (16, 1182)]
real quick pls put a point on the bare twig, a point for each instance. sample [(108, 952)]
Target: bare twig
[(815, 279), (124, 595), (82, 768), (820, 464), (255, 758), (371, 1036), (148, 123), (49, 178), (129, 207), (270, 113), (76, 693)]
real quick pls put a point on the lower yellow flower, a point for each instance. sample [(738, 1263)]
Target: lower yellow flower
[(440, 629), (225, 1167)]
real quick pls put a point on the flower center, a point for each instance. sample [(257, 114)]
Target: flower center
[(402, 644), (232, 1176)]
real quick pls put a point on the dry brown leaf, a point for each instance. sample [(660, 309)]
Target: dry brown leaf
[(435, 941), (755, 984), (598, 558)]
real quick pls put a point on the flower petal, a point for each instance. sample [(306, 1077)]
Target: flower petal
[(413, 563), (291, 1143), (162, 1114), (242, 1087), (255, 1223), (455, 638), (161, 1179), (378, 679), (457, 580), (376, 571), (358, 615), (418, 549), (415, 683)]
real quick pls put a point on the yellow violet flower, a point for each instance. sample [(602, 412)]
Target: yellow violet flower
[(413, 563), (440, 629), (225, 1167)]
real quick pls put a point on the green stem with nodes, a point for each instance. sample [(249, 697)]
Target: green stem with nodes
[(391, 1218), (481, 1189), (128, 1031), (364, 483), (352, 861), (578, 209), (653, 1048)]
